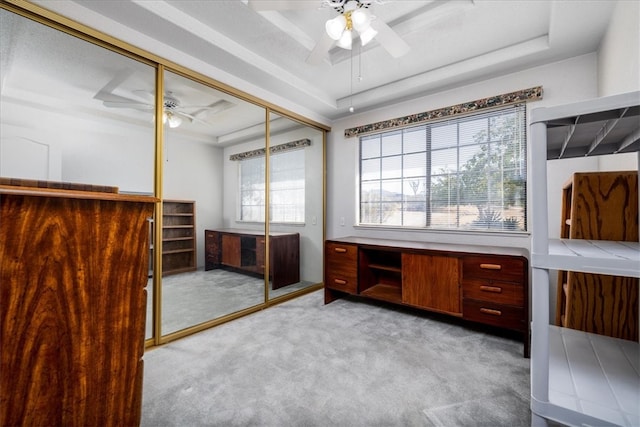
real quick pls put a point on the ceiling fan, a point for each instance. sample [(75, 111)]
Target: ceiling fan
[(174, 112), (354, 18)]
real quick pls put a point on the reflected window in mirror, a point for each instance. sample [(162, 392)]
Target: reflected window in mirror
[(286, 190)]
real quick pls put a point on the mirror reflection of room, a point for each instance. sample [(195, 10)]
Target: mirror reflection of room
[(209, 183), (295, 200), (203, 124), (214, 202)]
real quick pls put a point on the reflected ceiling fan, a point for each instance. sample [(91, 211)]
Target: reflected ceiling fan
[(354, 19), (174, 111)]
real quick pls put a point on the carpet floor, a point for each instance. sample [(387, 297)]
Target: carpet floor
[(348, 363), (189, 299)]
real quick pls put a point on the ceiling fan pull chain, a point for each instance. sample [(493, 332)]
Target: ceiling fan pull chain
[(351, 83)]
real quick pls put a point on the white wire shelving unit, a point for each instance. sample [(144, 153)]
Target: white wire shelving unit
[(579, 378)]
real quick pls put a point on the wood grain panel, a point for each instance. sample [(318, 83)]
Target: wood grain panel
[(212, 250), (605, 305), (599, 206), (284, 259), (231, 250), (431, 281), (605, 206), (72, 277)]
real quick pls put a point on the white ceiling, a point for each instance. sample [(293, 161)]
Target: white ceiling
[(452, 43)]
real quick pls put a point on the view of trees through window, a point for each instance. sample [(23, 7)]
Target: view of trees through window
[(465, 174)]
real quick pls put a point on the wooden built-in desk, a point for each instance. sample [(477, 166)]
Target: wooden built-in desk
[(244, 251), (482, 284)]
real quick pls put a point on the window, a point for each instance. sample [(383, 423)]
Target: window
[(287, 189), (463, 174)]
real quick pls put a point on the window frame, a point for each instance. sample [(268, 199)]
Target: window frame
[(518, 133)]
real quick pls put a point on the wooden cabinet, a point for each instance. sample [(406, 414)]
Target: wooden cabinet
[(489, 288), (431, 281), (343, 274), (178, 236), (73, 268), (495, 292), (244, 251), (599, 206)]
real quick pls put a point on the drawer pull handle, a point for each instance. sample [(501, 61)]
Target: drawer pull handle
[(340, 250), (340, 282), (491, 312), (491, 266), (494, 289)]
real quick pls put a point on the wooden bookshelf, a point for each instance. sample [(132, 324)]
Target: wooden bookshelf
[(178, 236)]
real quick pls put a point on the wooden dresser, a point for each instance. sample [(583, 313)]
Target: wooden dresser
[(486, 285), (244, 251), (73, 268)]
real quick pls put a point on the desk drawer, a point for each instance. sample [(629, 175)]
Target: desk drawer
[(503, 316), (493, 291), (509, 269), (341, 267)]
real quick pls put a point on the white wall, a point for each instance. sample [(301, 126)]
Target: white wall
[(98, 151), (619, 53), (566, 81), (194, 171), (26, 158)]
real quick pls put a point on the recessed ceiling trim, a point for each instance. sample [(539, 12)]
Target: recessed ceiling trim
[(438, 76), (202, 31), (289, 28)]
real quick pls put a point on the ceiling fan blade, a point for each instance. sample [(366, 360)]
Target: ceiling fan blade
[(263, 5), (147, 96), (127, 104), (106, 92), (321, 49), (389, 39), (214, 108), (192, 118)]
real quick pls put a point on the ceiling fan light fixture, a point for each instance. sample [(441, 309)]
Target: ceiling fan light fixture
[(335, 27), (345, 40), (173, 120), (361, 19)]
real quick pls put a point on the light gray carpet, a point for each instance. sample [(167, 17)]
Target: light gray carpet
[(195, 297), (348, 363)]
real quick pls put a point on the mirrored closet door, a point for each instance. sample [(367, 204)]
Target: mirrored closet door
[(76, 109), (295, 205), (63, 120), (210, 269)]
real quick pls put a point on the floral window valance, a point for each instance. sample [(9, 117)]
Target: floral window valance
[(272, 150), (531, 94)]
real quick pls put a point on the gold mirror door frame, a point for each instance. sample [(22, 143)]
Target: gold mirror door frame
[(212, 256)]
